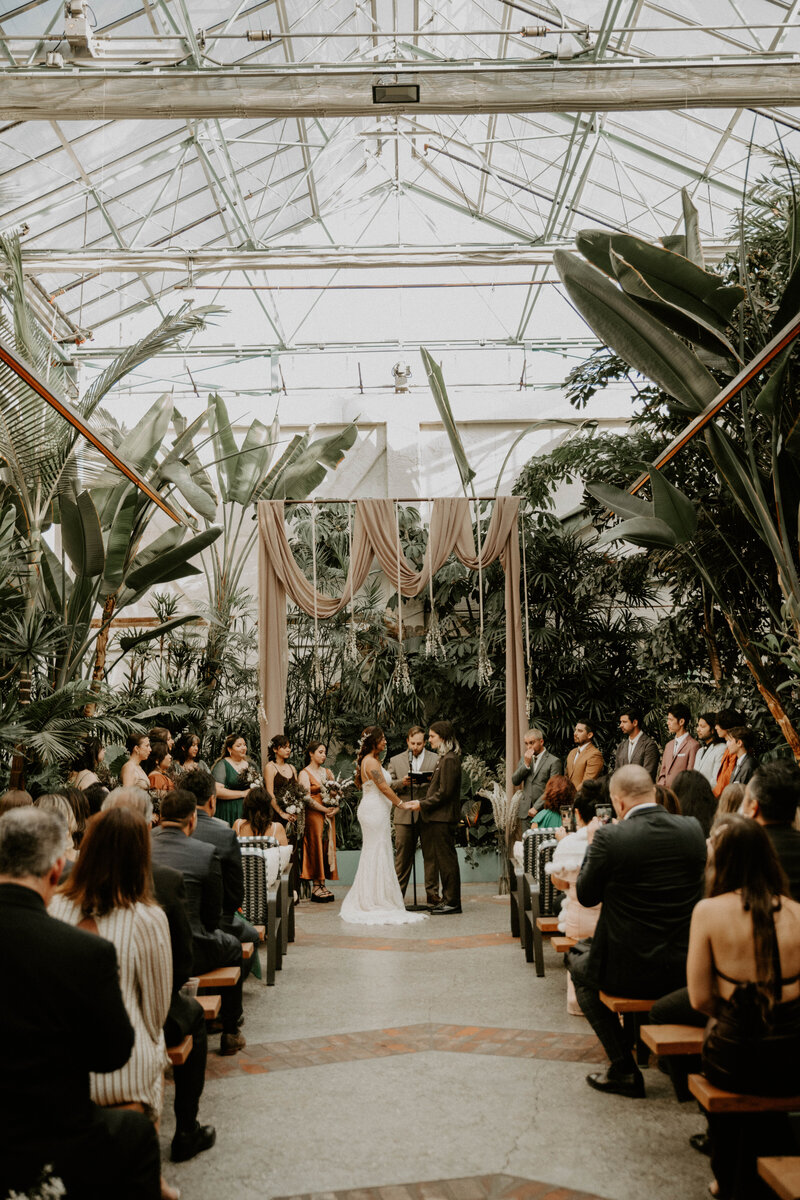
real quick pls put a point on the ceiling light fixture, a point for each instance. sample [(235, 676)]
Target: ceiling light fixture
[(395, 92)]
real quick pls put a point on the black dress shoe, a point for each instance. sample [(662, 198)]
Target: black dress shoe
[(445, 909), (619, 1085), (186, 1145)]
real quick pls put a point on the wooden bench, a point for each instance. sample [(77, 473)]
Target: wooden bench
[(547, 924), (248, 950), (529, 921), (562, 944), (210, 1006), (515, 897), (630, 1009), (716, 1100), (220, 977), (674, 1041), (261, 930), (178, 1055), (782, 1175)]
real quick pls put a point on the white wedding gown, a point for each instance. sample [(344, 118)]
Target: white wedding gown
[(375, 897)]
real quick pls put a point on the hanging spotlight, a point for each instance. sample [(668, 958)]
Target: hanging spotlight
[(395, 91)]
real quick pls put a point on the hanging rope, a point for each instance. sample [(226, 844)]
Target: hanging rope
[(316, 666), (351, 645), (529, 663), (434, 642), (485, 668), (401, 678)]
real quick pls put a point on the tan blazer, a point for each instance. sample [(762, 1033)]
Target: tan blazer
[(586, 765), (672, 764)]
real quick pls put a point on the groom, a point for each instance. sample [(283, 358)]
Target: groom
[(440, 812)]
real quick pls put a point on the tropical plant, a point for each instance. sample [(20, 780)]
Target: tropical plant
[(675, 323)]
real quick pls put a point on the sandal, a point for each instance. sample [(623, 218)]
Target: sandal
[(321, 894)]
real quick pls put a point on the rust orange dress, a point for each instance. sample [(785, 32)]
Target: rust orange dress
[(319, 852)]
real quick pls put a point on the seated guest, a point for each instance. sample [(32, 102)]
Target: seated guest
[(14, 798), (647, 872), (743, 970), (742, 742), (84, 771), (58, 1029), (727, 718), (198, 862), (258, 819), (668, 800), (220, 835), (772, 798), (157, 768), (680, 751), (185, 1016), (53, 802), (77, 801), (696, 798), (132, 774), (731, 799), (108, 893), (708, 759), (558, 793), (564, 868)]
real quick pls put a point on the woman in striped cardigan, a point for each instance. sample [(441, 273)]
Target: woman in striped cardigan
[(109, 892)]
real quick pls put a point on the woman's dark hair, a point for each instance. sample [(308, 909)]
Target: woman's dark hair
[(279, 740), (592, 792), (113, 867), (89, 755), (158, 752), (311, 748), (77, 801), (711, 721), (180, 751), (696, 798), (257, 811), (95, 794), (373, 736), (667, 799), (159, 733), (558, 791), (727, 718), (134, 739), (744, 859), (230, 742)]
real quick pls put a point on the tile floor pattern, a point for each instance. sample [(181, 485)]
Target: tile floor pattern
[(476, 1187), (409, 945), (413, 1039)]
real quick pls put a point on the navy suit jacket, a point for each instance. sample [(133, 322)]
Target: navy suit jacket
[(647, 872)]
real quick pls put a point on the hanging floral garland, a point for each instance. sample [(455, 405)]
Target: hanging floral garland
[(528, 660), (401, 679), (351, 645), (316, 665), (434, 642), (485, 668)]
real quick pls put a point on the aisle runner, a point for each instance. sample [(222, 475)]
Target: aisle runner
[(477, 1187), (410, 1039)]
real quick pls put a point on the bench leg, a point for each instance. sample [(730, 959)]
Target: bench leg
[(514, 907), (285, 902), (538, 940), (272, 938)]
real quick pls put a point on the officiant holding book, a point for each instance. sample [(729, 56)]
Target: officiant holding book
[(413, 768)]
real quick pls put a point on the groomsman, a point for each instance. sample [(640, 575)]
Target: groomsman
[(637, 747), (585, 761), (407, 824), (533, 771), (681, 750)]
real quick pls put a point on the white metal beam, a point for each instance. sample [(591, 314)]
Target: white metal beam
[(331, 90)]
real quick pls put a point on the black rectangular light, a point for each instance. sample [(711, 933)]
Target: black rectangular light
[(395, 93)]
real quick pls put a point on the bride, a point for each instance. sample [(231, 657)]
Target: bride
[(375, 897)]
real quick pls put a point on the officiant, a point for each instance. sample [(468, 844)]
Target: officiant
[(415, 764)]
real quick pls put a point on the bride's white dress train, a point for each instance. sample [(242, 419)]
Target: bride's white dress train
[(375, 897)]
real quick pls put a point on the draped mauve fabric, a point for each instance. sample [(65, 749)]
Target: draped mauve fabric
[(375, 536)]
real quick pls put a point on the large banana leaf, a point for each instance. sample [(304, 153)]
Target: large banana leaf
[(436, 382), (637, 337), (618, 501), (672, 507), (196, 496), (252, 463), (161, 567), (150, 635), (647, 532), (225, 447), (307, 466), (687, 243), (118, 542), (82, 535)]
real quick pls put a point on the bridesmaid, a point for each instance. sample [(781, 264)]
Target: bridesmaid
[(132, 774), (228, 773), (317, 865), (277, 777)]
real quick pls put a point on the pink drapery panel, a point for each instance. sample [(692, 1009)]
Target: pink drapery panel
[(375, 535)]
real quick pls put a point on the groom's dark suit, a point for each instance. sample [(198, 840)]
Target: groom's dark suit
[(440, 812)]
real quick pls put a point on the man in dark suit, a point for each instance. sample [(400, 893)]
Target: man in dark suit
[(637, 747), (772, 798), (185, 1017), (198, 863), (536, 766), (61, 1017), (220, 835), (742, 741), (647, 872), (440, 812), (407, 824)]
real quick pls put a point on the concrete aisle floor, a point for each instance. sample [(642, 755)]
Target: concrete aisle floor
[(431, 1052)]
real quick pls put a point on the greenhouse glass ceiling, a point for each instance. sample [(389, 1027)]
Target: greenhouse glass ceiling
[(376, 175)]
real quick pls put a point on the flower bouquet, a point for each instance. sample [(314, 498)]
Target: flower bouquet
[(334, 791), (295, 799)]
